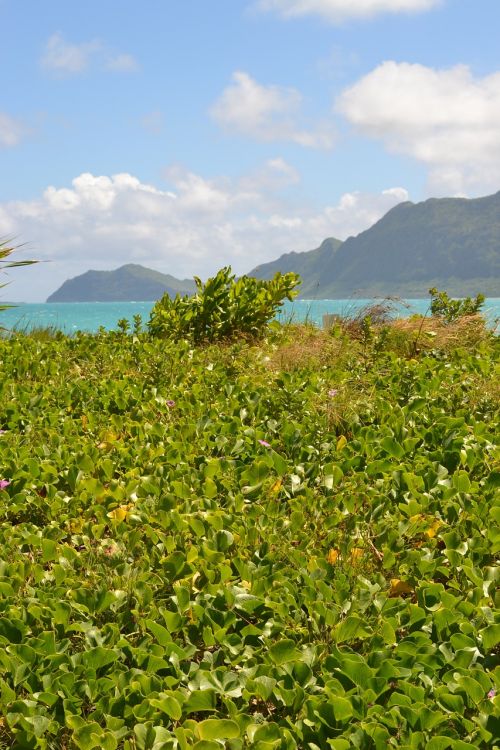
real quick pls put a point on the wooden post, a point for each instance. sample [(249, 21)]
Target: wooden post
[(329, 320)]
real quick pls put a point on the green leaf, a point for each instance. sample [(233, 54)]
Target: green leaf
[(88, 736), (283, 652), (350, 628), (439, 743), (461, 481), (200, 700), (168, 705), (49, 550), (218, 729), (98, 657), (86, 464), (161, 634), (490, 636), (472, 688), (342, 709), (392, 447), (9, 631), (279, 463)]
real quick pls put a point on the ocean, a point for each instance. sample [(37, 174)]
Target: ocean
[(70, 317)]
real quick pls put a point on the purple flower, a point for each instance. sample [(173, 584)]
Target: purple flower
[(4, 483), (332, 392), (2, 432), (170, 403), (264, 443), (492, 693)]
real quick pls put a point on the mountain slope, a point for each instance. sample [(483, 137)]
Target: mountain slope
[(310, 265), (129, 283), (452, 243)]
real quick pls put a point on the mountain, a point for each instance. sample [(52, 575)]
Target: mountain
[(130, 283), (311, 265), (451, 243)]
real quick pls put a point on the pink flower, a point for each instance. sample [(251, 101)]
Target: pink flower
[(332, 392), (4, 483), (264, 443), (492, 693), (170, 403)]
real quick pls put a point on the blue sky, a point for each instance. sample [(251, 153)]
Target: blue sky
[(185, 135)]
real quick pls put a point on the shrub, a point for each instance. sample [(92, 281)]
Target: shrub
[(223, 308), (6, 249), (442, 306)]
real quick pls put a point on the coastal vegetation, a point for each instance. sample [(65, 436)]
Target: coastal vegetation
[(6, 262), (223, 308), (276, 538)]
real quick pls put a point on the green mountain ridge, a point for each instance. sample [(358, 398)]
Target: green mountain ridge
[(129, 283), (451, 243)]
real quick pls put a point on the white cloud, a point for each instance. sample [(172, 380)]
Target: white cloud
[(446, 119), (336, 11), (266, 113), (63, 57), (123, 64), (194, 228), (11, 131), (67, 58)]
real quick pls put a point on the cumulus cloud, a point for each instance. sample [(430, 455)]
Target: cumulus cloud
[(12, 131), (446, 119), (336, 11), (68, 58), (195, 227), (266, 113)]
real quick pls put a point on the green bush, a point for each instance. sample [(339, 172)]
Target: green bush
[(223, 308), (442, 306)]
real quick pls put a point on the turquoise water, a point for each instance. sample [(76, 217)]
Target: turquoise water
[(89, 316)]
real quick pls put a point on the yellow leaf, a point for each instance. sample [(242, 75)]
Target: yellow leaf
[(119, 514), (399, 588), (105, 446), (276, 486), (108, 438), (341, 442), (433, 529), (332, 556), (416, 519), (356, 554), (85, 421)]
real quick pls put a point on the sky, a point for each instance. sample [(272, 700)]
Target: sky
[(186, 135)]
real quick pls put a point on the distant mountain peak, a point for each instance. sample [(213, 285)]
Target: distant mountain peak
[(128, 283)]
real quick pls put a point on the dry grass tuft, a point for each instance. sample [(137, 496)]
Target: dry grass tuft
[(434, 333), (304, 347)]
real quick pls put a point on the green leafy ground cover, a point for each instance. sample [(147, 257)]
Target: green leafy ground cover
[(289, 545)]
